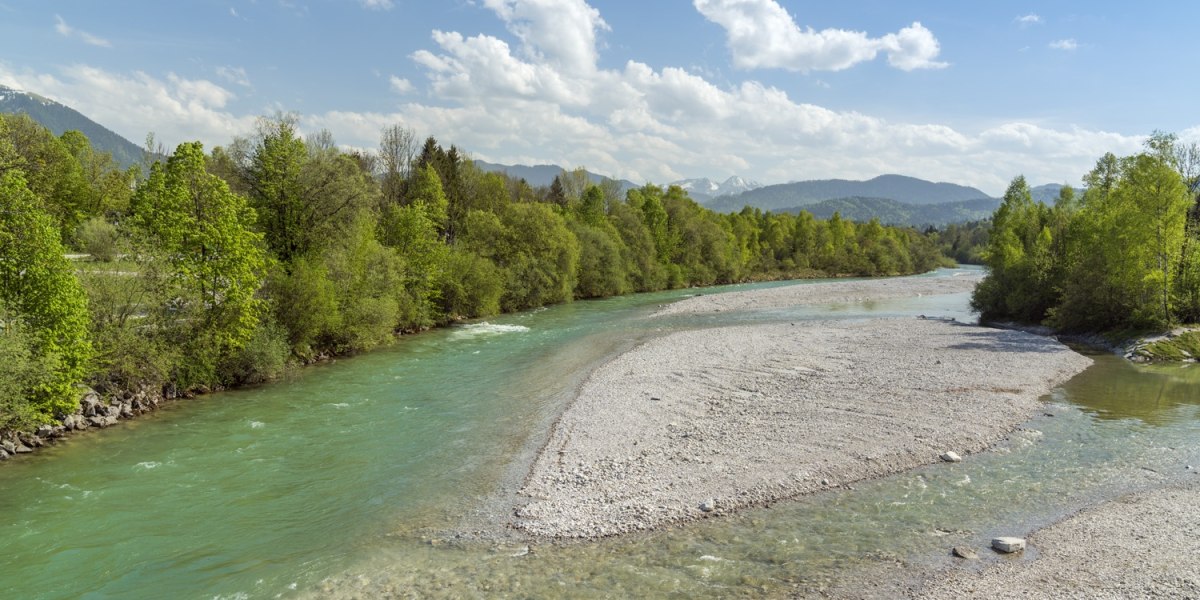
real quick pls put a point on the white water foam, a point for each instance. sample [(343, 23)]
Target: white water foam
[(152, 464), (257, 424), (475, 330)]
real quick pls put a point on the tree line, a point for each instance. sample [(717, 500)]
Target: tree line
[(221, 267), (1123, 255)]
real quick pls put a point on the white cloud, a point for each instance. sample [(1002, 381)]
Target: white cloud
[(1067, 45), (175, 108), (401, 85), (377, 4), (762, 35), (67, 31), (234, 75), (1029, 19), (526, 97)]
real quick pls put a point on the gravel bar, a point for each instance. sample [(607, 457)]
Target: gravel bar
[(699, 423)]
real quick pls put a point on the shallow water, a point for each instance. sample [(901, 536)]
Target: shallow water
[(335, 481)]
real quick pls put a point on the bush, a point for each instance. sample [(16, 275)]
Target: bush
[(21, 370), (264, 357), (100, 239)]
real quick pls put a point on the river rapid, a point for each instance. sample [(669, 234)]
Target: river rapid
[(352, 478)]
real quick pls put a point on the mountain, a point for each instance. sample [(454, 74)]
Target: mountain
[(59, 118), (891, 212), (909, 190), (539, 175), (1047, 194), (704, 190)]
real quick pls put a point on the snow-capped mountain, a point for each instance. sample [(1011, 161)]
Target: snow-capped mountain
[(704, 189)]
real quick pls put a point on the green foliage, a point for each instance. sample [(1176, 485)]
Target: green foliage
[(215, 262), (263, 358), (100, 239), (50, 170), (470, 286), (40, 289), (23, 367), (1113, 260), (367, 280)]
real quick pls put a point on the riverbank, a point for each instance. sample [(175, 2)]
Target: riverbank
[(1143, 545), (701, 423)]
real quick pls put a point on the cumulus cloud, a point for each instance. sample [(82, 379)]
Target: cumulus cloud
[(60, 25), (377, 4), (526, 96), (175, 108), (1066, 45), (1029, 19), (400, 85), (762, 35)]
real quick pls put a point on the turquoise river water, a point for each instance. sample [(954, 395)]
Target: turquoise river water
[(344, 479)]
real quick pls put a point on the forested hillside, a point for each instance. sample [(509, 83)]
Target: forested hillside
[(1123, 255), (221, 266)]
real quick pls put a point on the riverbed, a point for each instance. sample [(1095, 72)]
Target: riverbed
[(355, 478)]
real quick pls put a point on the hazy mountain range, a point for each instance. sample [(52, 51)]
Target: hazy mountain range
[(893, 199)]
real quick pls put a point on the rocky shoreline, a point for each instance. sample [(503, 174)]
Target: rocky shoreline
[(93, 413), (701, 423)]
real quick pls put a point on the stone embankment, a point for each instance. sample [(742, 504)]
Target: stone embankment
[(94, 412)]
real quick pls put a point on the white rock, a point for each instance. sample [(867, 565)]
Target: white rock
[(951, 456), (1008, 544)]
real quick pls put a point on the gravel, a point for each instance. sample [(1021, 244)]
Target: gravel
[(837, 292), (1144, 545), (696, 424)]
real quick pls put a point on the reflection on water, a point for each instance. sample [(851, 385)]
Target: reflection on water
[(1153, 394)]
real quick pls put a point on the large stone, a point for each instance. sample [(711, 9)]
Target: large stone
[(23, 449), (1008, 545), (3, 455), (708, 505), (8, 446), (964, 552), (951, 456), (98, 421), (45, 431), (89, 403), (126, 411)]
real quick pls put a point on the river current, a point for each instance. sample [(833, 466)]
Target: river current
[(345, 478)]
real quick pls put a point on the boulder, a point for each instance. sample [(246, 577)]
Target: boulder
[(98, 421), (1008, 545), (89, 403), (3, 455), (23, 449), (951, 456), (110, 420), (964, 552), (8, 446), (126, 410), (45, 431), (708, 505)]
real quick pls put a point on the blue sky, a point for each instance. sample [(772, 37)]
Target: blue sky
[(774, 90)]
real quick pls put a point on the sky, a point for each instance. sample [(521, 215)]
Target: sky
[(972, 93)]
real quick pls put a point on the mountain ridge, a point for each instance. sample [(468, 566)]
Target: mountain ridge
[(59, 118)]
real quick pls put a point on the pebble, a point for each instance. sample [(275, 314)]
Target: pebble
[(951, 456)]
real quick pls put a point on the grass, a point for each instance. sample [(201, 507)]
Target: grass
[(1185, 346)]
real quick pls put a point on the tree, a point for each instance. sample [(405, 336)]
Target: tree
[(397, 152), (216, 261), (43, 299)]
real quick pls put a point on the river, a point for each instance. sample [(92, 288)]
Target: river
[(344, 478)]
